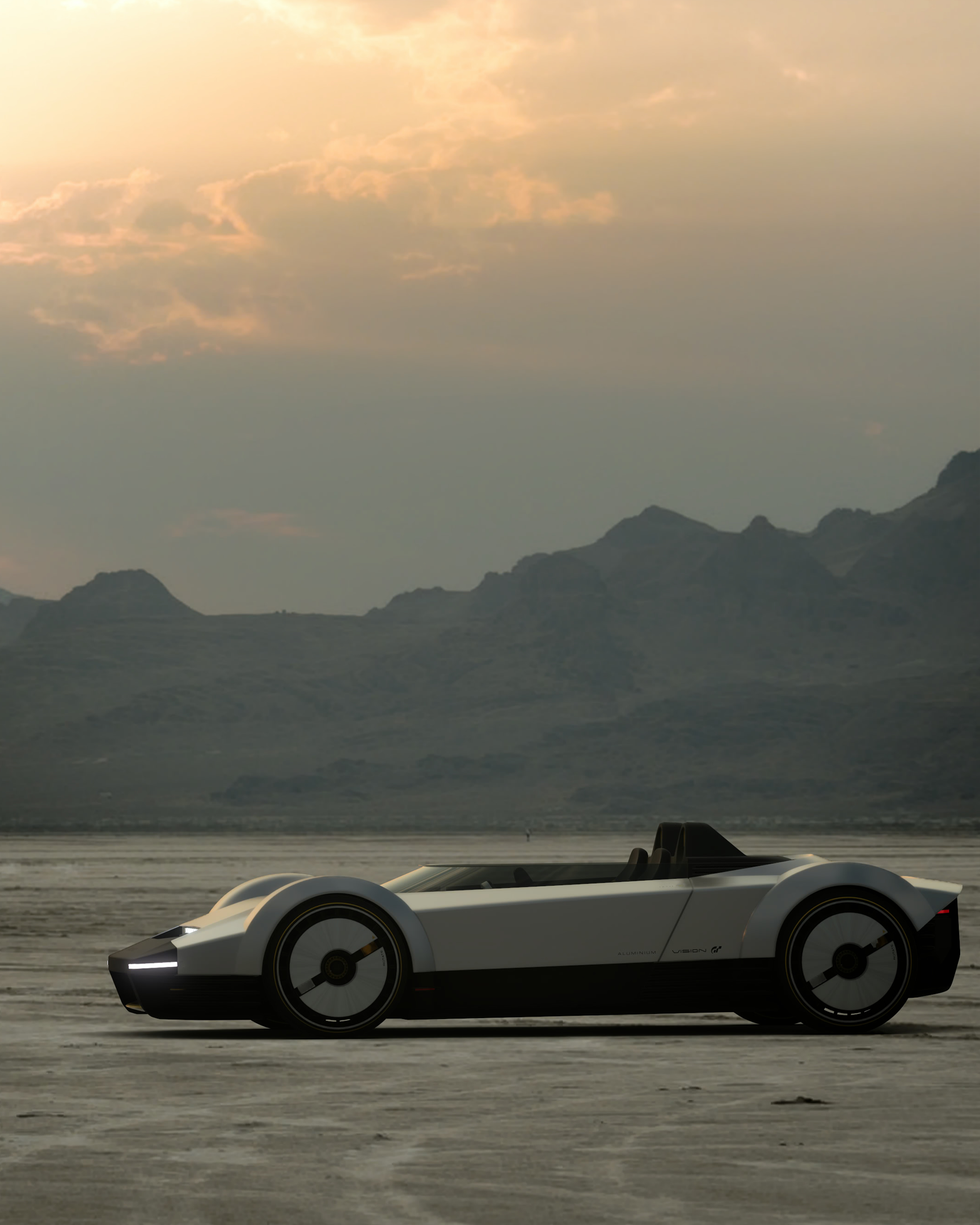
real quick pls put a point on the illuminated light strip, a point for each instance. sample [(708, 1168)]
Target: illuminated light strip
[(153, 965), (942, 912)]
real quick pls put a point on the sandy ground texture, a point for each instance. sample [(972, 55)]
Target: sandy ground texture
[(111, 1118)]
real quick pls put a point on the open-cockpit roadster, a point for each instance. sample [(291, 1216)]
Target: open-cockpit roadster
[(693, 926)]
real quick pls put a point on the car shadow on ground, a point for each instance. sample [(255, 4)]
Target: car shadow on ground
[(391, 1032)]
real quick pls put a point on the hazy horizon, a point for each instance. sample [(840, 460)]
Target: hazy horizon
[(382, 602), (305, 303)]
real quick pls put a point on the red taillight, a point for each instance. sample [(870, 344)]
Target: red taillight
[(942, 912)]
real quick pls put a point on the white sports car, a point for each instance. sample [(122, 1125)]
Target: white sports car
[(695, 926)]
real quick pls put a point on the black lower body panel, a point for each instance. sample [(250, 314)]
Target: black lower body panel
[(603, 990), (938, 952), (191, 997), (158, 989), (718, 986)]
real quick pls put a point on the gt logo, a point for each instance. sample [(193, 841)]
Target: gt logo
[(716, 948)]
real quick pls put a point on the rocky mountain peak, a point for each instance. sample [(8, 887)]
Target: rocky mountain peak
[(650, 526), (760, 526), (119, 595), (844, 517), (762, 561), (964, 466)]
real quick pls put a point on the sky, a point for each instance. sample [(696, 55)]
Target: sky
[(305, 303)]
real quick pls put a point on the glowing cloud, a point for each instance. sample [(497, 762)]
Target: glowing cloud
[(342, 133), (147, 275)]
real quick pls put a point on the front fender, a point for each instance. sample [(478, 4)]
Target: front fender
[(259, 886), (762, 929), (263, 920)]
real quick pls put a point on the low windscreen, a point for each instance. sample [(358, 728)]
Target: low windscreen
[(442, 878), (446, 877)]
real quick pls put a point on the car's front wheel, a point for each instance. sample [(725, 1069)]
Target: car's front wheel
[(846, 958), (335, 966)]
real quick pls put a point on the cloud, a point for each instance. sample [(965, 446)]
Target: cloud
[(142, 273), (136, 277), (173, 217), (429, 180), (76, 226), (424, 265), (84, 227), (468, 129), (234, 521)]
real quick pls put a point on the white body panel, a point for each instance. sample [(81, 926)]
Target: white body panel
[(214, 947), (711, 927), (937, 893), (714, 921), (262, 921), (717, 917), (259, 887), (762, 930), (550, 925)]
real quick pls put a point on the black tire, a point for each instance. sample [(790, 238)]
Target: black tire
[(335, 967), (847, 957), (778, 1014)]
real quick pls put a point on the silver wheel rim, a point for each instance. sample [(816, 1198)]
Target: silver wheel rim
[(338, 1003), (337, 967), (874, 981), (848, 963)]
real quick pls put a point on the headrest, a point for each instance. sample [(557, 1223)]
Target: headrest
[(694, 838)]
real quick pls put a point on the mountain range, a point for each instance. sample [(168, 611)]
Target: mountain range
[(666, 668)]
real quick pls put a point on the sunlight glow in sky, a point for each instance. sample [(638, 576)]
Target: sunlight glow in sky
[(653, 222)]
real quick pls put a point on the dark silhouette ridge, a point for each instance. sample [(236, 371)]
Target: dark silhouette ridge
[(121, 595), (666, 668), (964, 466), (16, 613)]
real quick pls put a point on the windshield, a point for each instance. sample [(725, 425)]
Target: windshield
[(443, 878)]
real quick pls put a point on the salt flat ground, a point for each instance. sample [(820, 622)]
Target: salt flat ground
[(107, 1117)]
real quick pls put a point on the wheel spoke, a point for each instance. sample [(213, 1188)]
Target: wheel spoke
[(358, 955), (831, 971), (367, 950)]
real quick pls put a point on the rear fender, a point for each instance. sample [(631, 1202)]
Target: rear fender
[(263, 921), (762, 929)]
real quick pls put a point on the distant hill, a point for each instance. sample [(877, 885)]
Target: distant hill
[(666, 667), (16, 611), (126, 595)]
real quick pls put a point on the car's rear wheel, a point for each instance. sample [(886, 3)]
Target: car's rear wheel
[(847, 958), (335, 966)]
